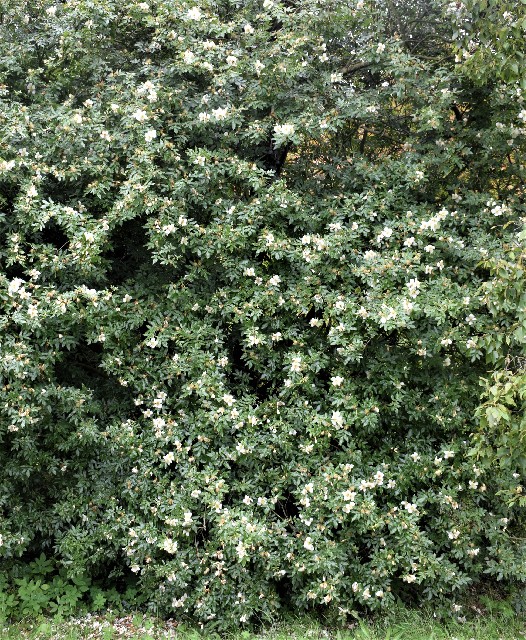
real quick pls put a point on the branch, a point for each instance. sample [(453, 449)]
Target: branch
[(351, 68)]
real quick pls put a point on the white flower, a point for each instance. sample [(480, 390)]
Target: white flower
[(414, 287), (152, 343), (471, 344), (415, 456), (248, 28), (276, 337), (337, 419), (386, 233), (410, 507), (337, 381), (51, 11), (200, 160), (284, 129), (194, 14), (380, 48), (454, 534), (308, 544), (228, 399), (409, 242), (188, 57), (336, 77), (409, 578), (14, 286), (449, 454), (169, 545), (522, 115), (32, 311), (274, 281), (295, 365), (140, 115), (144, 6), (169, 458), (249, 271), (158, 423), (179, 603), (258, 66), (220, 113), (231, 61), (473, 552), (89, 236), (105, 136), (150, 135)]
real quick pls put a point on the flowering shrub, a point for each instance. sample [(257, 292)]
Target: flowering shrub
[(246, 302)]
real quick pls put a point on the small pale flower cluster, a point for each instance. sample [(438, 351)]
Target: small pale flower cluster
[(308, 544), (296, 364), (140, 115), (220, 113), (410, 507), (337, 420), (386, 314), (7, 165), (150, 135), (170, 545), (194, 14), (148, 87), (414, 287), (385, 234), (284, 130), (496, 208)]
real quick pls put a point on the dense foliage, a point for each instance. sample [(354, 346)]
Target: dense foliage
[(256, 259)]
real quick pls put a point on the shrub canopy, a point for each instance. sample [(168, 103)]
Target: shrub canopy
[(256, 257)]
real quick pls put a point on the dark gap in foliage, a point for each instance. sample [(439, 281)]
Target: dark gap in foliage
[(284, 587), (287, 507), (14, 271), (80, 367), (128, 252), (54, 235)]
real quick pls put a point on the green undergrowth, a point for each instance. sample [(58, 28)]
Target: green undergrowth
[(488, 619)]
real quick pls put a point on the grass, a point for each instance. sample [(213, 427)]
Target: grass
[(403, 624)]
